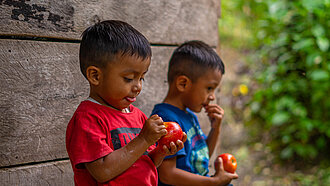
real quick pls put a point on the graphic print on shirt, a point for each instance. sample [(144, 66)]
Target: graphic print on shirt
[(200, 155), (122, 136)]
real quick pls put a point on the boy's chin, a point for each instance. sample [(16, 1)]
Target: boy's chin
[(125, 107), (197, 110)]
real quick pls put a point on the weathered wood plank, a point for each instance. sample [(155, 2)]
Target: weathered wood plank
[(163, 21), (55, 173), (40, 87), (155, 86)]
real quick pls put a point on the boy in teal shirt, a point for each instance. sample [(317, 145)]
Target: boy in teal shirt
[(195, 71)]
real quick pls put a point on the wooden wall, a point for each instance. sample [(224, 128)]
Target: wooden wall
[(41, 84)]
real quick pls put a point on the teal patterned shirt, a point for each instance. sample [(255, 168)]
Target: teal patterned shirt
[(194, 157)]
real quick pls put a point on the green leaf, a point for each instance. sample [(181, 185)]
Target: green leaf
[(277, 9), (304, 43), (313, 58), (285, 102), (328, 132), (323, 43), (318, 30), (310, 5), (299, 111), (286, 153), (307, 124), (286, 139), (284, 57), (255, 107), (280, 118), (321, 142), (277, 87), (319, 75)]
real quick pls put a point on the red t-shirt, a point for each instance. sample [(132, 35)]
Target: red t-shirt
[(94, 131)]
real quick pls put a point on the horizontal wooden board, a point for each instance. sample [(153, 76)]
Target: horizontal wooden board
[(41, 86), (155, 85), (162, 22), (54, 173)]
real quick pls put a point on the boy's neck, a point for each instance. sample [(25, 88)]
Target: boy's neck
[(174, 100), (126, 110)]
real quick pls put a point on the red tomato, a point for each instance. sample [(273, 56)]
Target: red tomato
[(229, 162), (174, 133)]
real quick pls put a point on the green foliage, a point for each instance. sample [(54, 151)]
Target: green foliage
[(292, 73), (233, 26), (320, 177)]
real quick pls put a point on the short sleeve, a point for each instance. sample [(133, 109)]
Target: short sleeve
[(88, 140)]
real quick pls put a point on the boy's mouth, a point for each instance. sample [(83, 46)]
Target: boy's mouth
[(130, 99)]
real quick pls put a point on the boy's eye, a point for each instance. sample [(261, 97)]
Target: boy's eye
[(210, 88), (128, 79)]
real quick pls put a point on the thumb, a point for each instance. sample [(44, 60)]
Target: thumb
[(218, 165)]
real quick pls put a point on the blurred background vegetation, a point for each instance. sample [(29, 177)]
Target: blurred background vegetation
[(286, 87)]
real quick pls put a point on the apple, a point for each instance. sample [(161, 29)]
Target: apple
[(174, 133), (229, 162)]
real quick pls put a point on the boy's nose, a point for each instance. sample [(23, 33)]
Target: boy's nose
[(211, 97), (137, 87)]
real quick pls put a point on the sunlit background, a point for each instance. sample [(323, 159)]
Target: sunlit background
[(278, 80)]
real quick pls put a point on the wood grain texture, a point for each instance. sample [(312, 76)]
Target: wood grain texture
[(41, 85), (162, 21), (155, 85), (40, 88), (54, 173)]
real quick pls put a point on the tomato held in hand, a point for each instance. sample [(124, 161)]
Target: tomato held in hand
[(174, 133), (229, 162)]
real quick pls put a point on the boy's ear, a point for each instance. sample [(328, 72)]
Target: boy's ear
[(93, 74), (182, 83)]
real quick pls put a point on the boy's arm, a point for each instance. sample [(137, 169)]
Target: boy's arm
[(212, 139), (115, 163), (169, 174), (215, 114), (157, 155)]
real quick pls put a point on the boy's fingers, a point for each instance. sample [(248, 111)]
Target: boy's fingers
[(221, 164), (163, 131), (154, 116), (184, 138), (215, 115), (157, 118), (166, 150), (162, 126), (173, 148), (161, 120), (216, 110), (180, 144), (234, 176)]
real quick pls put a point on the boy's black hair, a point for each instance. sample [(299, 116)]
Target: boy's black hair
[(103, 41), (193, 59)]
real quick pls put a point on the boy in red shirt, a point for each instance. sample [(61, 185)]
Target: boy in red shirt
[(109, 141)]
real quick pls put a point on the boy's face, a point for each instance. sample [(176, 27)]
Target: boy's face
[(121, 81), (202, 91)]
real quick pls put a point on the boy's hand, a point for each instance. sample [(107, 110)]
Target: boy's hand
[(221, 176), (215, 114), (153, 129), (174, 148)]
